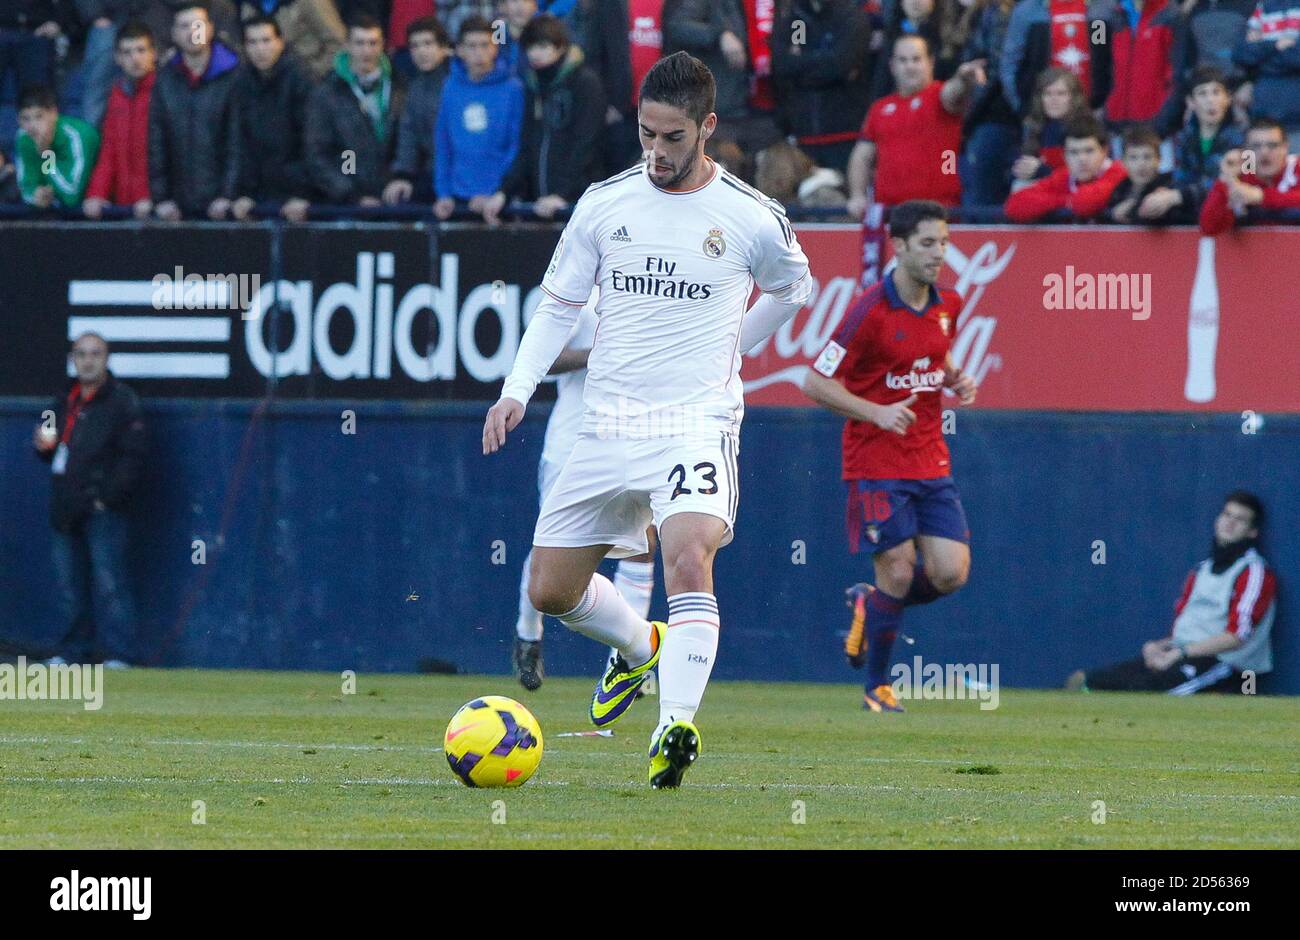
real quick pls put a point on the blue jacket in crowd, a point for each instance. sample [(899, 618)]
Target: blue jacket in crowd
[(478, 130)]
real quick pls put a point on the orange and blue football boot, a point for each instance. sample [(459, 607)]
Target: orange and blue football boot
[(855, 644), (881, 699)]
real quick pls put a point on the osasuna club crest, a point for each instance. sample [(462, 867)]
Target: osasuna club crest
[(945, 323), (714, 246)]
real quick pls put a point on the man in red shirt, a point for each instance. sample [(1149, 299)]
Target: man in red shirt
[(121, 175), (884, 369), (1275, 184), (910, 140), (1082, 187)]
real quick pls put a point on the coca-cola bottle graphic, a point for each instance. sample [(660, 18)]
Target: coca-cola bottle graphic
[(1202, 326)]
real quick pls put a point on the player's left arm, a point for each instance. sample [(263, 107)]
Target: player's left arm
[(780, 269), (962, 383)]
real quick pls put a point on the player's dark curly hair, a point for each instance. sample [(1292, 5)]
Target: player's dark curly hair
[(906, 217), (682, 81)]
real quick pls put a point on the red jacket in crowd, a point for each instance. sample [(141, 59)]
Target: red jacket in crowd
[(1283, 193), (1058, 191), (122, 172), (1142, 60)]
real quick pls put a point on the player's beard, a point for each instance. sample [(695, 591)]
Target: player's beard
[(681, 174)]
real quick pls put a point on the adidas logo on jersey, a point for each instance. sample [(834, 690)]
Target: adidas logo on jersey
[(621, 235)]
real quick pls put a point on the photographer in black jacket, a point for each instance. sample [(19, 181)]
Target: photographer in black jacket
[(93, 439)]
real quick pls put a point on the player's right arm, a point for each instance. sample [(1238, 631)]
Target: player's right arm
[(831, 394), (565, 289), (821, 385)]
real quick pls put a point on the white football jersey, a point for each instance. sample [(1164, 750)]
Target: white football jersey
[(566, 415), (675, 272)]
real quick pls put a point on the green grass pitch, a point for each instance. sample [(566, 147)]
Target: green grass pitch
[(285, 760)]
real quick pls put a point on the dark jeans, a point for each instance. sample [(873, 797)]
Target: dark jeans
[(1132, 675), (985, 167), (96, 598)]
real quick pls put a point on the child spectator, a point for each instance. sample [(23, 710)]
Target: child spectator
[(1207, 136), (352, 121), (1046, 33), (193, 131), (1207, 34), (479, 123), (1081, 188), (1058, 101), (430, 50), (43, 132), (1272, 59), (121, 175), (1275, 183), (271, 103), (1147, 195), (564, 114), (400, 18)]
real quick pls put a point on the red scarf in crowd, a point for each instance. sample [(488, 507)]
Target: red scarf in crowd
[(645, 36), (759, 15), (404, 13), (1070, 48)]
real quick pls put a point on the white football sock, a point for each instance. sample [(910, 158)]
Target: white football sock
[(635, 580), (690, 647), (529, 624), (603, 615)]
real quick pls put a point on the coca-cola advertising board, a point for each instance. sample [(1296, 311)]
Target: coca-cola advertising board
[(1095, 319)]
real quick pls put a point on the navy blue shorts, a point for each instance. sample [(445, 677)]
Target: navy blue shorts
[(885, 513)]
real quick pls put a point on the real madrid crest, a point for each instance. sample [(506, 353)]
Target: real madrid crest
[(714, 246), (945, 323)]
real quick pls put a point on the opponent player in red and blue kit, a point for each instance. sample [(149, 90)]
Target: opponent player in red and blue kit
[(885, 369)]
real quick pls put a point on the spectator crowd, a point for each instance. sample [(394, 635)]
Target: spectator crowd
[(1139, 112)]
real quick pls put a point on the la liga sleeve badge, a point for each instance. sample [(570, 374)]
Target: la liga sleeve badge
[(830, 359)]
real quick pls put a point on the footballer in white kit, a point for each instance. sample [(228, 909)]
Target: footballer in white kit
[(676, 245), (634, 577)]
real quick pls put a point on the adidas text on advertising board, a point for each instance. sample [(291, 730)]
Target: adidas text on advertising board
[(382, 325)]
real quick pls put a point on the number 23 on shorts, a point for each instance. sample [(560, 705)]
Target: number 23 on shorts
[(704, 471)]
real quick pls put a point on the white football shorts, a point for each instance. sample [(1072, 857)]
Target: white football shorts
[(612, 488)]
